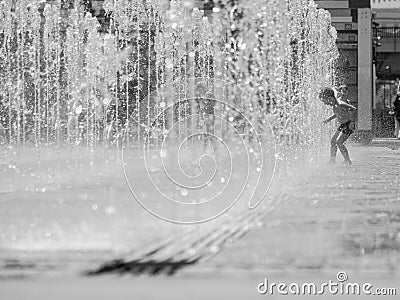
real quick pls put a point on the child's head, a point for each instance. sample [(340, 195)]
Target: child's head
[(328, 96)]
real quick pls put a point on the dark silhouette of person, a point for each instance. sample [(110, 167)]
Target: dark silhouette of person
[(396, 110)]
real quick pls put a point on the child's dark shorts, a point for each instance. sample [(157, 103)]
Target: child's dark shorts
[(345, 128)]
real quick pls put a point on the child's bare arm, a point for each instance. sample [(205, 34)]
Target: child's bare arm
[(347, 106), (329, 119)]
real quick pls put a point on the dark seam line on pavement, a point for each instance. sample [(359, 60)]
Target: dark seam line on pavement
[(208, 245)]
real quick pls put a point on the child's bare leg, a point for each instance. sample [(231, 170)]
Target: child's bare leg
[(334, 145), (340, 143), (397, 127)]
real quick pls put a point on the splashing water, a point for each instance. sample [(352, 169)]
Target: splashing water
[(67, 81), (146, 79)]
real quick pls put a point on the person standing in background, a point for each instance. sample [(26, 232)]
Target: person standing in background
[(4, 119), (396, 113), (206, 105)]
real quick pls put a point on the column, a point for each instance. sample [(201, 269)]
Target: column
[(364, 74)]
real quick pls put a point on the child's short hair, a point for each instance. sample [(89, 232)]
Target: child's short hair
[(327, 92)]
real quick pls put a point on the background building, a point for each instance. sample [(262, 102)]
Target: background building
[(387, 62)]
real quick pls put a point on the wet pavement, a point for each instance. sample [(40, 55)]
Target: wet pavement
[(338, 218), (330, 219)]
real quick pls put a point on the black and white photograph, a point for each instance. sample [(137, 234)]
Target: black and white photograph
[(199, 149)]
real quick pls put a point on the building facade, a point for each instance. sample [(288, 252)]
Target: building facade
[(387, 62)]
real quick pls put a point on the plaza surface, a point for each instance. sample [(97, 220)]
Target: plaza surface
[(329, 219)]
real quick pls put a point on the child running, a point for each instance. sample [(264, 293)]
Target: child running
[(343, 112)]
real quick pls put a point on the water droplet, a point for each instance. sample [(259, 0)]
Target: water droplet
[(94, 206), (169, 64), (78, 109), (214, 249), (184, 192), (110, 210)]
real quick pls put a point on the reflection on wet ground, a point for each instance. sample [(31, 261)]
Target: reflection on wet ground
[(328, 217), (337, 218)]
